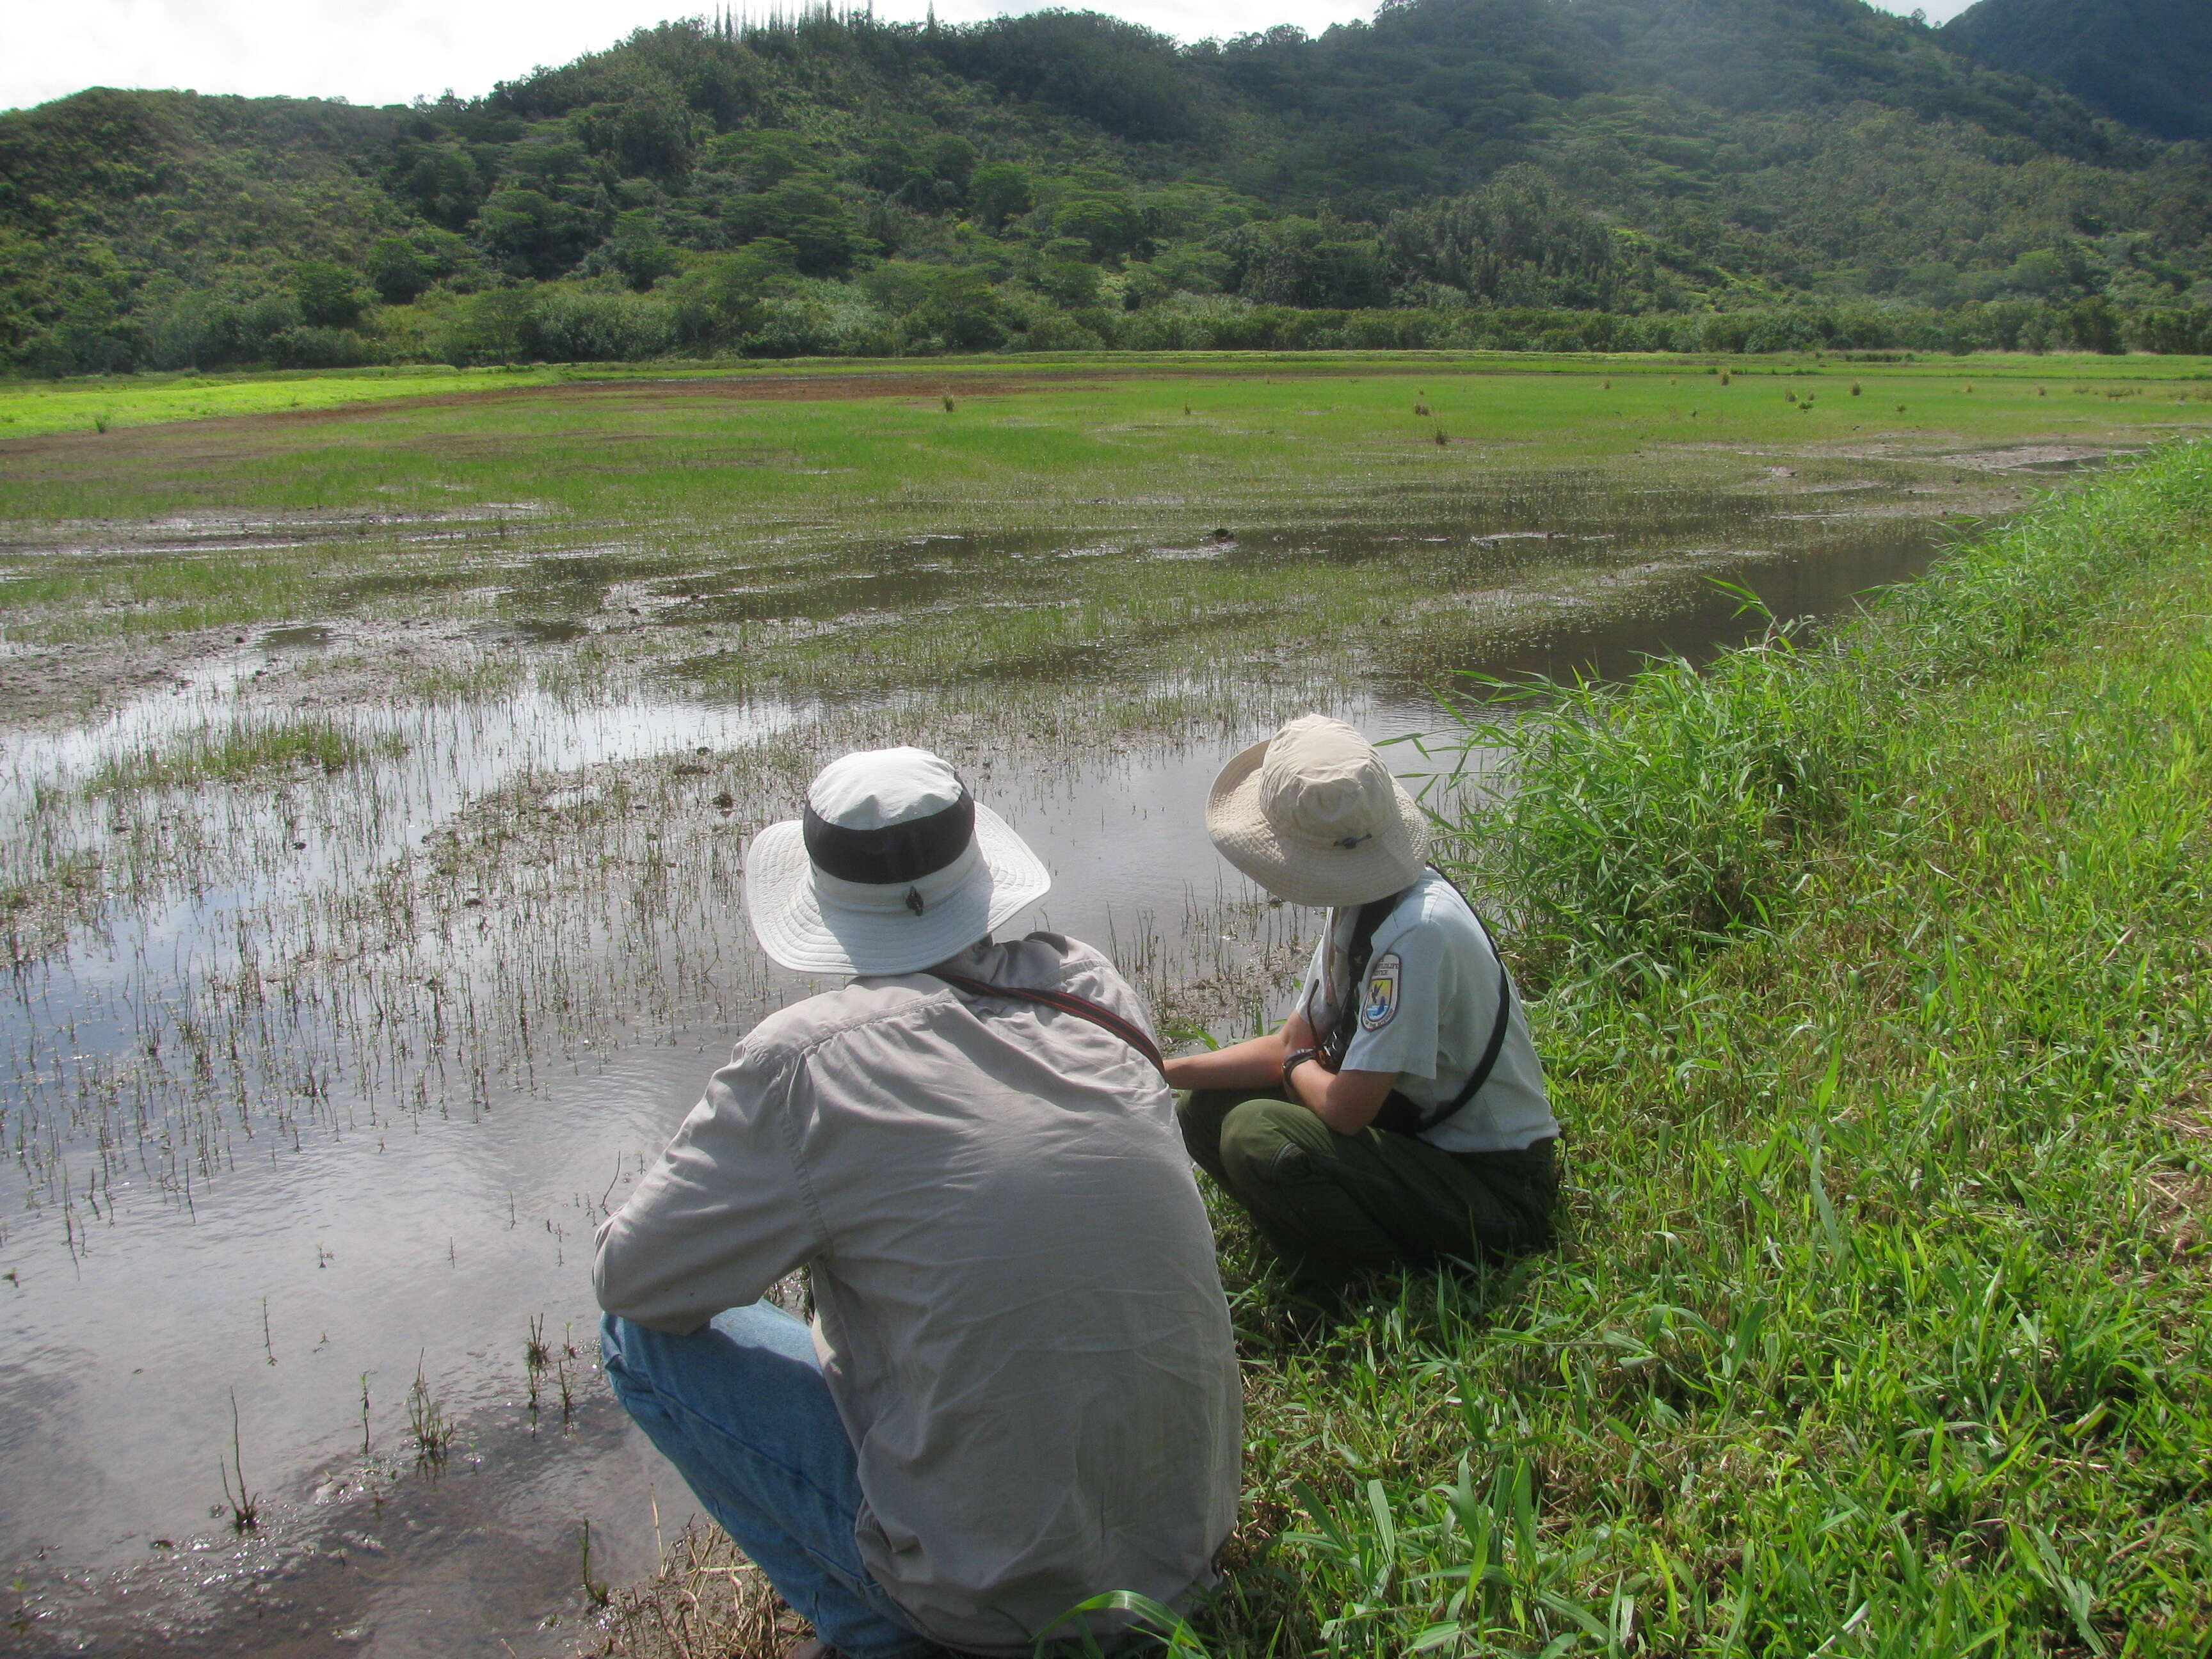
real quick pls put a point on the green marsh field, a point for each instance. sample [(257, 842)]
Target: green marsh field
[(378, 756)]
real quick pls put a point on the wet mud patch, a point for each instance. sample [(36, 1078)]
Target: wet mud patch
[(2033, 457), (216, 531)]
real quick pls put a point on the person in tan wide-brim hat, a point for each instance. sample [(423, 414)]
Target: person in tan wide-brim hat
[(1313, 815), (1400, 1113)]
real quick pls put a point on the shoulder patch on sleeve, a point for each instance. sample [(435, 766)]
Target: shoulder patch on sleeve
[(1381, 1005)]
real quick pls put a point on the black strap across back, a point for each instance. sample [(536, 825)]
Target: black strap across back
[(1068, 1003)]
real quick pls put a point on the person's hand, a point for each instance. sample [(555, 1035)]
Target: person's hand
[(1256, 1063)]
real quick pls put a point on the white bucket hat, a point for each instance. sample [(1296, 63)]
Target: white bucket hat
[(895, 866), (1313, 815)]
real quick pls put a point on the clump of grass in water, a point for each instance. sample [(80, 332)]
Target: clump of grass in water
[(536, 1356), (562, 1379), (427, 1420), (243, 749)]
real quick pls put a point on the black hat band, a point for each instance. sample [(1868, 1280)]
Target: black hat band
[(897, 852)]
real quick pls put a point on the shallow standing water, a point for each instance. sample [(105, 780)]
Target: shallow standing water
[(330, 1109)]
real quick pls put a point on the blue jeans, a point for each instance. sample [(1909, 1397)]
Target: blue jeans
[(740, 1406)]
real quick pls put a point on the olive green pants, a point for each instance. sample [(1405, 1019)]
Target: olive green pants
[(1332, 1205)]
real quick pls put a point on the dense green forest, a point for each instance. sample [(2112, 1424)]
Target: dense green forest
[(2147, 63), (1706, 174)]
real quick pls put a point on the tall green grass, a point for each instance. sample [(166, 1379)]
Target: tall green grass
[(1644, 824), (1877, 1013)]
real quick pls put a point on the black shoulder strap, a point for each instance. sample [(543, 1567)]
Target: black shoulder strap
[(1068, 1003), (1336, 1043), (1496, 1047)]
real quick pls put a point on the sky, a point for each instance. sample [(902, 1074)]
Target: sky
[(384, 51)]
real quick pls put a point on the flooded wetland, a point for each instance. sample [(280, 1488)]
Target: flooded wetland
[(375, 780)]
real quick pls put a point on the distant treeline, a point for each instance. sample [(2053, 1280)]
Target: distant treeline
[(552, 322)]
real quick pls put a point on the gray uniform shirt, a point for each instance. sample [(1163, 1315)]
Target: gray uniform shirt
[(1426, 1008), (1018, 1309)]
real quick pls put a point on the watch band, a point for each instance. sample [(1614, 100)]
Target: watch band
[(1291, 1062)]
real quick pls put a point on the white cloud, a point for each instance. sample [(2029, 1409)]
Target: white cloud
[(1939, 11)]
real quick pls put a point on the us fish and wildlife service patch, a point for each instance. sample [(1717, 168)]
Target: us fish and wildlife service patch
[(1382, 1004)]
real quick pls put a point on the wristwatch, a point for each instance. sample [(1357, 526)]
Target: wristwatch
[(1291, 1062)]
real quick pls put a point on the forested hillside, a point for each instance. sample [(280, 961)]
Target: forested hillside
[(2147, 63), (1712, 173)]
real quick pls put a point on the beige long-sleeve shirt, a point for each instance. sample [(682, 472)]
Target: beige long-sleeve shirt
[(1018, 1309)]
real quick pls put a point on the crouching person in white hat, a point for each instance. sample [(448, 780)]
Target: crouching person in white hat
[(1019, 1390), (1400, 1113)]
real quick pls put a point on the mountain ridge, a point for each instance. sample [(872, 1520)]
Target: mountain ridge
[(1066, 179)]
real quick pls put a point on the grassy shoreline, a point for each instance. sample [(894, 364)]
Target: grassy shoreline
[(1873, 992)]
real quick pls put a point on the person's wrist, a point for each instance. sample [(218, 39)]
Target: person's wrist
[(1291, 1062)]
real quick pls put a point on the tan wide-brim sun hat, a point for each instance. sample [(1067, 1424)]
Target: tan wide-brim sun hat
[(1313, 815)]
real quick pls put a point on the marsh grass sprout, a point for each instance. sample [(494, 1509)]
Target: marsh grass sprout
[(244, 1506), (427, 1421), (535, 1358), (562, 1379), (597, 1594)]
